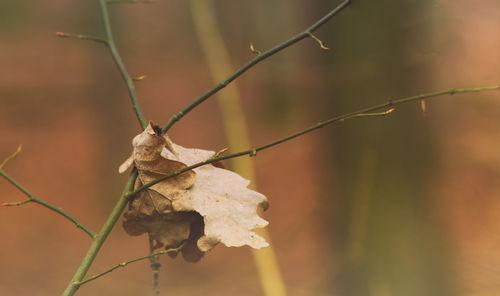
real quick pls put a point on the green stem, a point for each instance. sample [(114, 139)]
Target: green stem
[(32, 198), (125, 263), (306, 33), (122, 202), (120, 65), (359, 113), (236, 131), (99, 239)]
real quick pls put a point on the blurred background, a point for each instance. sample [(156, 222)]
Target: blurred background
[(402, 205)]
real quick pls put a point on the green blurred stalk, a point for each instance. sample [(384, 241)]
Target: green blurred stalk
[(235, 128), (361, 199)]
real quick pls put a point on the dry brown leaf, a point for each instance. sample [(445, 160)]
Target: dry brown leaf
[(198, 208)]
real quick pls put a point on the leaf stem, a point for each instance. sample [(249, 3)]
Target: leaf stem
[(99, 239), (155, 266), (119, 63), (304, 34), (32, 198), (359, 113)]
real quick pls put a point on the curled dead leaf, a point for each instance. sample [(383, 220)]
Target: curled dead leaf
[(198, 208)]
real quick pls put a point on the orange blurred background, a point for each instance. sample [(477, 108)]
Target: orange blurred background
[(403, 205)]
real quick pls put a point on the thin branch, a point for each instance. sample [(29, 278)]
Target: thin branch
[(32, 198), (155, 266), (110, 43), (125, 263), (10, 157), (305, 34), (359, 113), (81, 37), (99, 239), (16, 203), (119, 63)]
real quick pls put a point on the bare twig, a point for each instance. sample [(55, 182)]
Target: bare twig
[(122, 202), (81, 37), (321, 45), (304, 34), (110, 43), (359, 113), (32, 198), (125, 263), (10, 157), (119, 63)]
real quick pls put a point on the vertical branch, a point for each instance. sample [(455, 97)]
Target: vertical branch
[(236, 131), (119, 63), (122, 202), (99, 239), (360, 206), (155, 267)]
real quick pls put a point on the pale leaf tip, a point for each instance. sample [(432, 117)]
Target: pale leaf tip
[(253, 50)]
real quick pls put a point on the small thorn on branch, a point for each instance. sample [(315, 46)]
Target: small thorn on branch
[(16, 204), (255, 51), (81, 37), (389, 111), (10, 157), (423, 106), (321, 45), (219, 153), (383, 114), (138, 78), (218, 163)]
